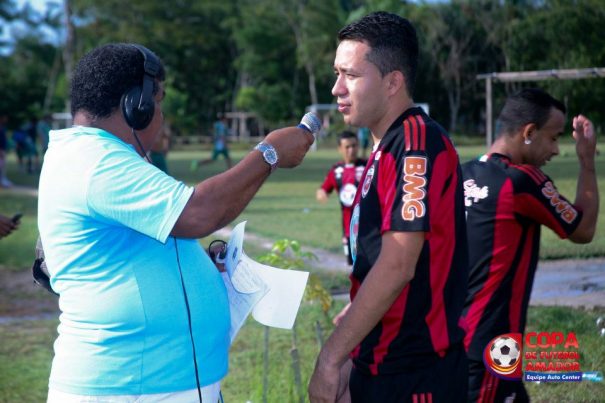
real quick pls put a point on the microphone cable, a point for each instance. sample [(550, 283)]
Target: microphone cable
[(197, 377), (141, 146), (178, 262)]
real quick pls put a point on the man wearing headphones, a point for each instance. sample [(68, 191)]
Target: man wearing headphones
[(145, 314)]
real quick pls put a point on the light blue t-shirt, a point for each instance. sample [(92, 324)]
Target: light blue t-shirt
[(105, 216)]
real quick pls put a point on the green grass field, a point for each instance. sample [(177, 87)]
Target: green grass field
[(284, 208), (26, 353)]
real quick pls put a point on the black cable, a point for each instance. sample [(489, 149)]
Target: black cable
[(197, 377), (141, 147)]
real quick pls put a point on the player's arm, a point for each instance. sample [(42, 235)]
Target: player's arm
[(393, 270), (220, 199), (321, 195), (587, 192), (326, 188)]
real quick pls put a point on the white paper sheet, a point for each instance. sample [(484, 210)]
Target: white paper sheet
[(272, 295)]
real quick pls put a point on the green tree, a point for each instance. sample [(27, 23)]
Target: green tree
[(191, 37)]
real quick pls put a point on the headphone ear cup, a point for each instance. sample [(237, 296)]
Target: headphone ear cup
[(137, 112)]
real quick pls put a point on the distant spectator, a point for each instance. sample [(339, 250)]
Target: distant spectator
[(31, 129), (4, 182), (160, 148), (363, 135), (219, 135), (43, 128)]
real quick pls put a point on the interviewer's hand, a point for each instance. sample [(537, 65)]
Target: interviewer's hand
[(6, 226), (291, 144), (214, 250)]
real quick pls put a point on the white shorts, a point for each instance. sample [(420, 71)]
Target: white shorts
[(210, 394)]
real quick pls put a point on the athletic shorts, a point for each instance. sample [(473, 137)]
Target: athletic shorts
[(444, 381), (223, 151), (484, 387)]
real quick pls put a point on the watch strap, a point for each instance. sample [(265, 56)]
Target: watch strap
[(266, 150)]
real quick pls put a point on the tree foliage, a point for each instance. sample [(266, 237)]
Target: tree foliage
[(274, 57)]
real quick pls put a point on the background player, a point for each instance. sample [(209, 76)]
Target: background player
[(507, 198), (344, 176)]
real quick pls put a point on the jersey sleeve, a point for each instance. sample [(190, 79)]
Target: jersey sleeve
[(126, 190), (537, 198), (403, 180), (329, 183)]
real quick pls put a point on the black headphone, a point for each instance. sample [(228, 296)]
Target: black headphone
[(137, 103)]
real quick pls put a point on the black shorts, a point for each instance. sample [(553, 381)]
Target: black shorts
[(484, 387), (444, 381)]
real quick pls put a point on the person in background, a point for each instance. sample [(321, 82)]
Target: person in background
[(508, 198), (219, 144), (159, 150), (144, 310), (408, 236), (43, 128), (344, 177), (363, 135), (4, 182)]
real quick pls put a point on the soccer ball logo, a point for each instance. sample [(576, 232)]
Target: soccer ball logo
[(505, 354)]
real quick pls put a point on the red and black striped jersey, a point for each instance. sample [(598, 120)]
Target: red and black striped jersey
[(505, 206), (345, 179), (413, 182)]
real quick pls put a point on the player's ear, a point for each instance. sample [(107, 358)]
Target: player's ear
[(528, 131), (395, 80)]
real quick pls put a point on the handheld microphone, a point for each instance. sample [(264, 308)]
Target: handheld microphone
[(311, 123)]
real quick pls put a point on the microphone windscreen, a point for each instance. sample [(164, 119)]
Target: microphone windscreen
[(310, 122)]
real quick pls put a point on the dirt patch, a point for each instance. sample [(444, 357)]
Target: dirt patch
[(21, 298), (578, 283)]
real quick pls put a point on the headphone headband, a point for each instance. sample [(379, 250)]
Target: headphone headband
[(138, 105), (151, 64)]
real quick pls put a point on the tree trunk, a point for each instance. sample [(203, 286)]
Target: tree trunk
[(68, 49), (312, 87)]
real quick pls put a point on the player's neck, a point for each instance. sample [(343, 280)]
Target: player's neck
[(395, 110), (506, 146)]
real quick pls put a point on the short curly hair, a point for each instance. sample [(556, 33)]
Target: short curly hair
[(103, 75)]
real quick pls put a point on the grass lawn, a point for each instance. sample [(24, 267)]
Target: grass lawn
[(284, 208), (26, 351)]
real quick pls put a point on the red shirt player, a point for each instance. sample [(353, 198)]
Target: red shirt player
[(408, 235), (507, 199), (344, 177)]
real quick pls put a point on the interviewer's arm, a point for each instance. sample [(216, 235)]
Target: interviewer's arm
[(393, 270), (219, 200)]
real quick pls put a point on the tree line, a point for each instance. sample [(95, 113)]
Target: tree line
[(275, 57)]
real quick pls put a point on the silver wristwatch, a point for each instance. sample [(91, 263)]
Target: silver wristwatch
[(269, 154)]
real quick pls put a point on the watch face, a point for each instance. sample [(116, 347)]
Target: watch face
[(270, 156)]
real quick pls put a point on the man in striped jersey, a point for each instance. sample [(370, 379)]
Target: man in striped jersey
[(408, 234), (507, 199)]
